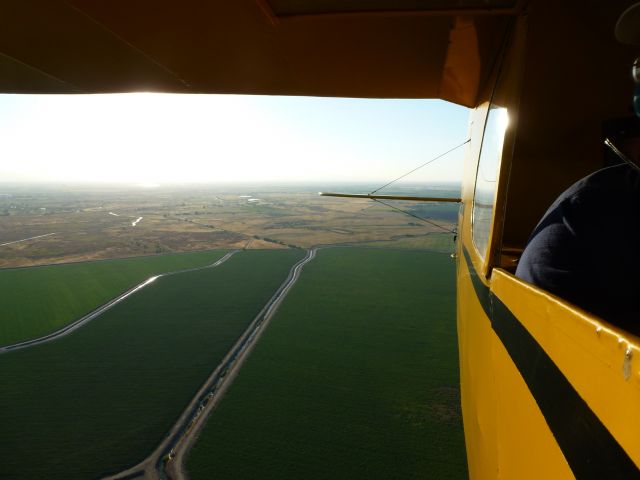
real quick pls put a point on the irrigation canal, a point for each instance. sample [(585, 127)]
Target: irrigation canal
[(70, 328)]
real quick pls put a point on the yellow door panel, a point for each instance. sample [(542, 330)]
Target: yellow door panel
[(477, 377), (495, 398), (527, 448), (598, 360)]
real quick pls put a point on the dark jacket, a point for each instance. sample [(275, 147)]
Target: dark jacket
[(586, 248)]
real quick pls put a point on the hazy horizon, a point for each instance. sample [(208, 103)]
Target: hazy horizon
[(8, 189), (149, 139)]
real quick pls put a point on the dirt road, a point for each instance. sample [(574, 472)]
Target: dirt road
[(166, 461)]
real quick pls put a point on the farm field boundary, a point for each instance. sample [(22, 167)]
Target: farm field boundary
[(166, 460), (103, 308), (98, 401), (356, 377), (38, 301)]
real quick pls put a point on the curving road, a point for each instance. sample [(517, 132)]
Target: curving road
[(72, 327), (165, 462)]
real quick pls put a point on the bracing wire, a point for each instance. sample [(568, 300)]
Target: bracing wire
[(416, 216), (423, 165), (422, 219)]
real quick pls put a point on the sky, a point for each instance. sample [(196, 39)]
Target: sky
[(151, 139)]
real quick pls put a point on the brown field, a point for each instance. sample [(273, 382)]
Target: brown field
[(198, 218)]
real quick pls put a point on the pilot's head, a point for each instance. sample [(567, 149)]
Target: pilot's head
[(623, 135), (628, 32)]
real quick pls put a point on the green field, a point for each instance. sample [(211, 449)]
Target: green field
[(101, 399), (356, 377), (437, 212), (436, 242), (39, 300)]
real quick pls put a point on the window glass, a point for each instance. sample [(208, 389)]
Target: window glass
[(486, 178)]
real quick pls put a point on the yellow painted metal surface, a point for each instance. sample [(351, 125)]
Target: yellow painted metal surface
[(478, 380), (475, 336), (600, 361), (506, 434), (526, 447)]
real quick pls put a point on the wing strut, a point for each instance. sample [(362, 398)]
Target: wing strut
[(381, 198), (391, 197)]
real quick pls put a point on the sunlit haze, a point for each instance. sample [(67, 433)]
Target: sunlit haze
[(150, 139)]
